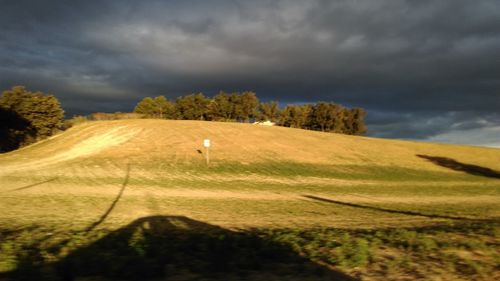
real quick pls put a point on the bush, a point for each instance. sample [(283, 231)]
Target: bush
[(77, 119)]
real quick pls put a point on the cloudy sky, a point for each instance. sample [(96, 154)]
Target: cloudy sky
[(426, 70)]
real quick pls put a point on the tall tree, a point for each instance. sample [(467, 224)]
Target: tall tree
[(192, 107), (320, 118), (295, 116), (356, 117), (236, 108), (163, 108), (339, 124), (158, 107), (248, 103), (146, 106), (220, 108), (327, 117), (337, 116), (269, 111)]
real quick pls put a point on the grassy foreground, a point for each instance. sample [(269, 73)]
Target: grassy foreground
[(134, 199)]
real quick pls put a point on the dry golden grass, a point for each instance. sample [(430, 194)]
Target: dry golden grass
[(178, 142)]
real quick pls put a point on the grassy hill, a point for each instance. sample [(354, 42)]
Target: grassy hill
[(301, 190)]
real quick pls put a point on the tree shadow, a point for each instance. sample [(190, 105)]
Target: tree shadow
[(462, 167), (178, 248), (112, 206), (391, 211), (31, 185)]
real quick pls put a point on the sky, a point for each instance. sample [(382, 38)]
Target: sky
[(423, 70)]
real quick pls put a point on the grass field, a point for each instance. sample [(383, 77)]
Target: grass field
[(134, 199)]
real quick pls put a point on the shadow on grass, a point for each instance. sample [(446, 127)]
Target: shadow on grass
[(177, 248), (462, 167), (112, 206), (31, 185), (401, 212)]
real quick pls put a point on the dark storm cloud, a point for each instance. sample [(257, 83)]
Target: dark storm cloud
[(418, 67), (428, 124)]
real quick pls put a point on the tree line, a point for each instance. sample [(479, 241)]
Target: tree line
[(245, 107)]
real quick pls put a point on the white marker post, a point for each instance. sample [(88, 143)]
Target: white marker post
[(206, 144)]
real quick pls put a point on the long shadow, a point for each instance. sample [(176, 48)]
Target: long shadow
[(178, 248), (462, 167), (410, 213), (112, 206), (31, 185)]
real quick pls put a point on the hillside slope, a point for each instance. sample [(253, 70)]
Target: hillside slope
[(180, 143), (273, 168)]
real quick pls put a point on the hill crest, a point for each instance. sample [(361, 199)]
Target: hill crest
[(180, 142)]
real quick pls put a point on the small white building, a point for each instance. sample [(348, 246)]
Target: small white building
[(265, 123)]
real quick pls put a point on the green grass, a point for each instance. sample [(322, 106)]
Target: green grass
[(294, 169), (460, 250)]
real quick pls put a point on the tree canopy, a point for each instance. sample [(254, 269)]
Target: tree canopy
[(158, 107), (192, 107)]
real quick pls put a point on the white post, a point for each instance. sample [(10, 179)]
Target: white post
[(206, 144), (208, 156)]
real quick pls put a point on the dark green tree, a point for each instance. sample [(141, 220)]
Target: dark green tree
[(158, 107), (248, 105), (192, 107), (340, 124), (42, 113), (357, 121), (320, 118), (164, 108), (236, 108), (295, 116), (328, 117), (220, 108), (337, 118), (14, 131), (145, 106), (269, 111)]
